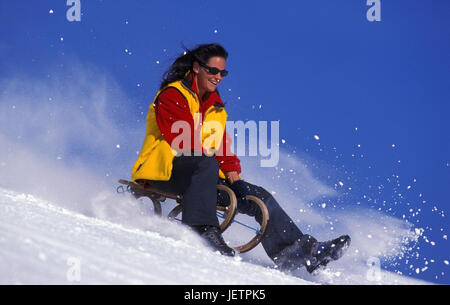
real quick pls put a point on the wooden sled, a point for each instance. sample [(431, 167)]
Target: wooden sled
[(228, 212)]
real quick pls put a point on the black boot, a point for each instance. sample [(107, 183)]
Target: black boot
[(327, 251), (213, 237), (297, 255)]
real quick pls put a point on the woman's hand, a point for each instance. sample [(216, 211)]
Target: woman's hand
[(232, 177)]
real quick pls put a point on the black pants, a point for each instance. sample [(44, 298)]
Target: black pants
[(196, 178)]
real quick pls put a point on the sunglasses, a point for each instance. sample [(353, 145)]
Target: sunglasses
[(213, 70)]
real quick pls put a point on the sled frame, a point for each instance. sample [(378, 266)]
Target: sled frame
[(139, 190)]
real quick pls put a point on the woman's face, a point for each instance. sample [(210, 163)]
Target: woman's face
[(207, 82)]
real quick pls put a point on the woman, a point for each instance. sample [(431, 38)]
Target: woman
[(188, 100)]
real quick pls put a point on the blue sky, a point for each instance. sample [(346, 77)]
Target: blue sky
[(375, 93)]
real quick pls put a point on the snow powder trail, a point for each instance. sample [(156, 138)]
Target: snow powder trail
[(42, 243), (39, 242)]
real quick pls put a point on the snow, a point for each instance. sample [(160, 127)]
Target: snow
[(41, 243)]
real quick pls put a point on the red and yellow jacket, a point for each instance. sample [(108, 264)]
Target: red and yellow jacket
[(180, 101)]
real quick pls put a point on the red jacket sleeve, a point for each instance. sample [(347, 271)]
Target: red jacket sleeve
[(228, 162), (171, 107)]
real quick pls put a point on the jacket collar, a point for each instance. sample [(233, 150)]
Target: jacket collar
[(211, 99)]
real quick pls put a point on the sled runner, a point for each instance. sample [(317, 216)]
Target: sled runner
[(227, 213)]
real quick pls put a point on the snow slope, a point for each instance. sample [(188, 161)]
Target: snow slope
[(41, 243)]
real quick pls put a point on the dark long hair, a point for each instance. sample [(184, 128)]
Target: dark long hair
[(184, 62)]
